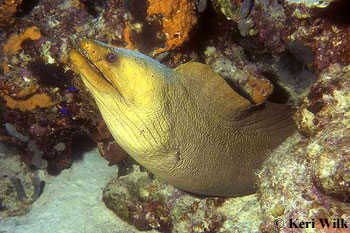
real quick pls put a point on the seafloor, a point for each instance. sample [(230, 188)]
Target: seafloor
[(62, 171), (72, 202)]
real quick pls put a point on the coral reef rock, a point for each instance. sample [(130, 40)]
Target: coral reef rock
[(149, 203), (325, 115), (19, 185), (307, 177)]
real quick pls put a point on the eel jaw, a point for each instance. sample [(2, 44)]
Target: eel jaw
[(92, 77)]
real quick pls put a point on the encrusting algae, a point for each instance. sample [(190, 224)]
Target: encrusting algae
[(27, 99), (171, 21), (130, 44), (179, 18), (37, 101), (261, 89), (13, 44)]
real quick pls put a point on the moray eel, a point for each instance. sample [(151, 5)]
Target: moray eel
[(186, 125)]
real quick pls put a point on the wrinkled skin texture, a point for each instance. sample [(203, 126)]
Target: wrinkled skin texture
[(186, 125)]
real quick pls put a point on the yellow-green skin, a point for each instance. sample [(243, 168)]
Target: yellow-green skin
[(186, 125)]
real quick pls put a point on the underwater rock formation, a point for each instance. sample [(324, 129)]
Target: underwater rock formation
[(154, 27), (149, 203), (324, 116), (8, 10), (308, 176), (19, 185), (231, 64), (40, 98)]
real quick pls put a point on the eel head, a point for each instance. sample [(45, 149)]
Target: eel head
[(129, 89), (137, 79)]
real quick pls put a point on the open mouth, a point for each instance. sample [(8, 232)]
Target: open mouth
[(83, 64), (85, 55)]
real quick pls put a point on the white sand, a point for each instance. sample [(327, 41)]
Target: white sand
[(71, 202)]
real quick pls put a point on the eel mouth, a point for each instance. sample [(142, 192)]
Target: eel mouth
[(81, 63)]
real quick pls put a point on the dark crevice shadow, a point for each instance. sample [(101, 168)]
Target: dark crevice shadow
[(26, 7), (209, 23), (80, 145), (337, 12), (93, 7)]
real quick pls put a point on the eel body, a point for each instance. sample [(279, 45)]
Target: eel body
[(187, 125)]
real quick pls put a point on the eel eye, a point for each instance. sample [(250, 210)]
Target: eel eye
[(111, 57)]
